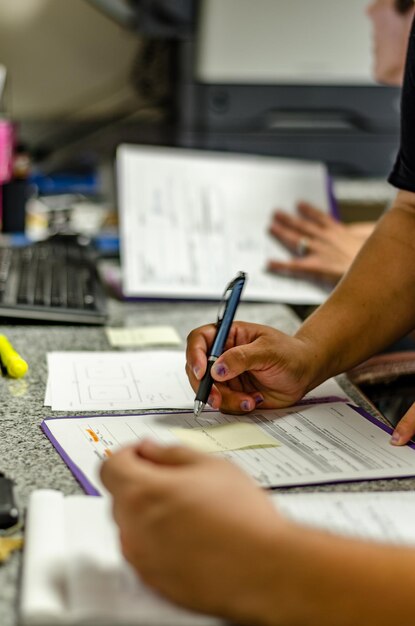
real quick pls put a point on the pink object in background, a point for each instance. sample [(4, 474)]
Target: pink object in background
[(7, 139), (6, 150)]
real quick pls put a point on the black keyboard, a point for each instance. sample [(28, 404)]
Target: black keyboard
[(53, 280)]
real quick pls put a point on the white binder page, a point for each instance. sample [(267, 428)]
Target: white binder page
[(381, 516), (190, 220), (316, 444)]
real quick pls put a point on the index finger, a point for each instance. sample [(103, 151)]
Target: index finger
[(122, 468), (199, 342)]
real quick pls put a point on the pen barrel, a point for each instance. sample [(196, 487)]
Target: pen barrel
[(206, 383)]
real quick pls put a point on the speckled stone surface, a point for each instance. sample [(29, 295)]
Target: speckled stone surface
[(26, 455)]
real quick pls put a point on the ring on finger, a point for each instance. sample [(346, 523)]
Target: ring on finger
[(303, 246)]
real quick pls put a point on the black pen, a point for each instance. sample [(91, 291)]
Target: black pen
[(226, 316)]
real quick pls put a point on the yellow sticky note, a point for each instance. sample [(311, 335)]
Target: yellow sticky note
[(226, 437), (141, 336)]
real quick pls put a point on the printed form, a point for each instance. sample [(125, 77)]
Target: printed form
[(313, 444), (190, 220)]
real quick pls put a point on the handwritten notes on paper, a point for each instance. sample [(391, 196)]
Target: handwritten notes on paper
[(225, 437)]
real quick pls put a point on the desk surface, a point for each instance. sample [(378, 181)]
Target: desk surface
[(26, 455)]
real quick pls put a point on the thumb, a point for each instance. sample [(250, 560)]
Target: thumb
[(405, 428), (238, 360), (167, 455)]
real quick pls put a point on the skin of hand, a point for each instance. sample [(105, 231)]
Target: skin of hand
[(261, 365), (201, 533), (331, 245)]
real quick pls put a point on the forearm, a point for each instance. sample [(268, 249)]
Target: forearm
[(323, 580), (375, 302)]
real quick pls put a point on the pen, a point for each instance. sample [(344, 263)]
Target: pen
[(226, 316), (15, 366)]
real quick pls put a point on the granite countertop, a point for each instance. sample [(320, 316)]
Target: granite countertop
[(27, 456)]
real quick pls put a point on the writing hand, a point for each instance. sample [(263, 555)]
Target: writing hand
[(260, 365), (325, 247)]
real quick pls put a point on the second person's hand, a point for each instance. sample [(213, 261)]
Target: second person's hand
[(324, 248), (260, 366)]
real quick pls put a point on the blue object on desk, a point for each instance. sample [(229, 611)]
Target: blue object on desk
[(60, 183)]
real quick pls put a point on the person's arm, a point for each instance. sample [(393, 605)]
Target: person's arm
[(374, 304), (323, 247), (371, 307), (200, 532)]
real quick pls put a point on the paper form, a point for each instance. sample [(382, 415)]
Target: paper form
[(381, 516), (74, 571), (143, 336), (99, 381), (201, 217), (116, 381), (234, 436), (318, 443)]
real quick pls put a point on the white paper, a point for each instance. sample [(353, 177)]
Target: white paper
[(113, 381), (317, 443), (117, 381), (189, 221), (95, 582), (381, 516)]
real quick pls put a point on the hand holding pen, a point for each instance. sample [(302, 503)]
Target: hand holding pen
[(259, 365), (226, 316)]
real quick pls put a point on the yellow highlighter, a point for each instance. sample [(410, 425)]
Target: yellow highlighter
[(15, 366)]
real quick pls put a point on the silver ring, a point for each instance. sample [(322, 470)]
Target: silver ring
[(303, 246)]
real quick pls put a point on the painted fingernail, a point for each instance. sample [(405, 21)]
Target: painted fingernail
[(196, 371), (245, 405), (220, 369), (211, 401), (258, 399), (396, 439)]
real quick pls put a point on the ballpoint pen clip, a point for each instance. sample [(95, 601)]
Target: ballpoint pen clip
[(225, 296)]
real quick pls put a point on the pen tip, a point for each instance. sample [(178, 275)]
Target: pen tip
[(198, 408)]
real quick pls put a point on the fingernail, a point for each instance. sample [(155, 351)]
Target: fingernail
[(258, 399), (245, 406), (220, 369), (396, 439), (211, 401), (196, 371)]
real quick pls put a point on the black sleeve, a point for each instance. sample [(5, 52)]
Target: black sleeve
[(403, 172)]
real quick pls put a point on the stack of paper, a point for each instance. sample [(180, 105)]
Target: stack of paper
[(74, 571)]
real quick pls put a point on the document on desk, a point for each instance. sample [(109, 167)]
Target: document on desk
[(117, 381), (380, 516), (74, 571), (190, 220), (114, 381), (67, 577), (320, 443)]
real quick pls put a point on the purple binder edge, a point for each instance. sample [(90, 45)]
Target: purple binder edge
[(92, 491), (79, 475)]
